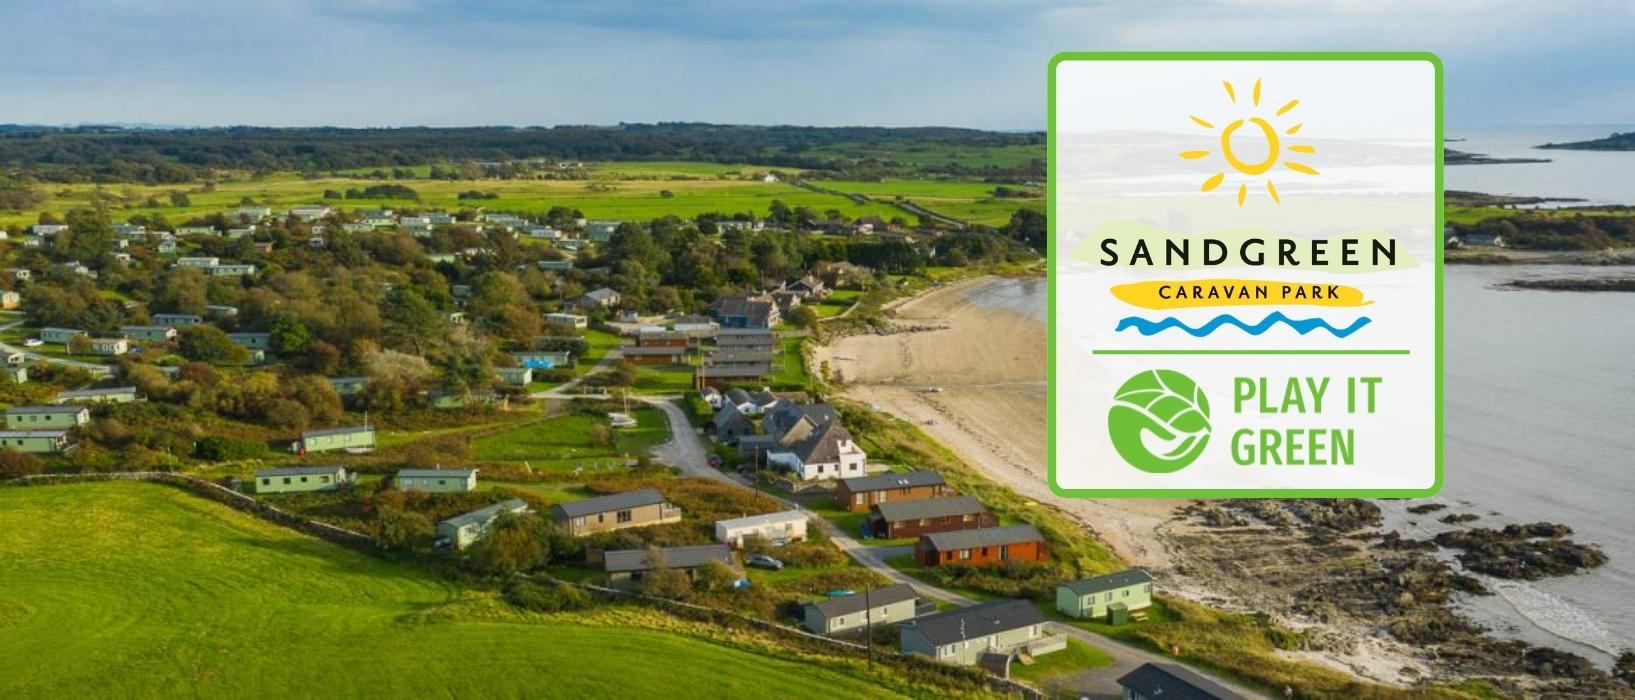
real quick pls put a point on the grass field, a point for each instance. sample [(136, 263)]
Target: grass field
[(151, 592), (612, 199), (564, 442), (1078, 657)]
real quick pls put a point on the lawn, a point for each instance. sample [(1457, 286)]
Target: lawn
[(1076, 658), (835, 304), (564, 442), (788, 368), (150, 592), (664, 379)]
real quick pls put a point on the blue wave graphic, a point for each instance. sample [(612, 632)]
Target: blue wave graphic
[(1301, 326)]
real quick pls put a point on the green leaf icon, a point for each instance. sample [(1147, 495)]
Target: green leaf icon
[(1159, 421)]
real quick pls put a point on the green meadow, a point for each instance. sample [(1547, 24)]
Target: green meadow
[(146, 591)]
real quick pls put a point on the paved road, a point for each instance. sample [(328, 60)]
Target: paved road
[(689, 452), (92, 367), (561, 391)]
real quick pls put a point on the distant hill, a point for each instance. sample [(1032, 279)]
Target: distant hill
[(1615, 142), (118, 154)]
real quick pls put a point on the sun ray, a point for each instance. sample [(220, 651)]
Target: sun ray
[(1299, 167), (1303, 148), (1285, 108), (1293, 129), (1193, 155), (1271, 189), (1201, 121), (1243, 191), (1230, 93), (1213, 182), (1257, 92)]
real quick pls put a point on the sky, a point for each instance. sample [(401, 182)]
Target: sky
[(971, 63)]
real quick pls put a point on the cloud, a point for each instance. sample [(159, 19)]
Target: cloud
[(889, 62)]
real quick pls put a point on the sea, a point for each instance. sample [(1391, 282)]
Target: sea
[(1539, 401)]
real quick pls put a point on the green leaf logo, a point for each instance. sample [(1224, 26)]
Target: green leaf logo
[(1159, 421)]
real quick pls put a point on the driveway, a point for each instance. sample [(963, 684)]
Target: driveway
[(689, 452)]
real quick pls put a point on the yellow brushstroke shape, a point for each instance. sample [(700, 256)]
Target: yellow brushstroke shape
[(1187, 294)]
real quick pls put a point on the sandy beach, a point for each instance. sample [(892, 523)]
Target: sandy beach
[(977, 383)]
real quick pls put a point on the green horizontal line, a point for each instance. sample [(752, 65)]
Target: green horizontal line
[(1249, 352)]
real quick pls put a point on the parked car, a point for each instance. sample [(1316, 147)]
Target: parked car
[(33, 343), (762, 561)]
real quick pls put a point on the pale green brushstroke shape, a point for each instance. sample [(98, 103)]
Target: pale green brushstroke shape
[(1129, 232)]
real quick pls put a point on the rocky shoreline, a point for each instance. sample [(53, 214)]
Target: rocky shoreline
[(1325, 566), (1568, 284)]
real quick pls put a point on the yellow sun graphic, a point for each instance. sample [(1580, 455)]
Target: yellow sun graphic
[(1274, 146)]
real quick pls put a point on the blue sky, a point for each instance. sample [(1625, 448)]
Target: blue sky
[(875, 62)]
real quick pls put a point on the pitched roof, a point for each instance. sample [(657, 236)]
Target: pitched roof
[(106, 391), (728, 416), (737, 396), (33, 433), (603, 504), (895, 511), (656, 350), (848, 604), (674, 557), (1108, 582), (823, 445), (878, 482), (298, 471), (337, 431), (785, 414), (976, 621), (782, 516), (456, 473), (483, 515), (1173, 682), (985, 537)]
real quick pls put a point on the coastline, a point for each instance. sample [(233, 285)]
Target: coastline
[(972, 376)]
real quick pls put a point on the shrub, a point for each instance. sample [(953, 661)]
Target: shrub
[(546, 597), (15, 464), (225, 448)]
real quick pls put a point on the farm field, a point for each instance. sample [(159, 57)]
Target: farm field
[(961, 199), (609, 199), (152, 592)]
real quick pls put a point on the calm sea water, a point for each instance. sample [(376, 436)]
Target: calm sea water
[(1596, 176)]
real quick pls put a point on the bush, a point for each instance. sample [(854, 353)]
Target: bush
[(226, 448), (546, 597), (513, 545), (15, 464)]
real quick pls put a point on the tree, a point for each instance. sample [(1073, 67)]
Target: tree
[(90, 235), (14, 464), (1030, 227), (180, 199), (802, 317), (210, 344), (288, 336), (79, 345), (403, 529), (715, 576), (623, 374), (514, 544), (661, 581)]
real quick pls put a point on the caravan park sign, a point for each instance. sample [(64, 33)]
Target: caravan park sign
[(1245, 275)]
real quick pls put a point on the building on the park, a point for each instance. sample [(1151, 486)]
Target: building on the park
[(310, 213), (638, 508), (17, 374), (566, 320), (556, 265), (877, 607), (113, 394), (251, 341), (300, 479), (230, 270), (357, 437), (1110, 597), (601, 231), (627, 568), (197, 262), (10, 300), (897, 519), (177, 320), (859, 494), (781, 527), (730, 424), (598, 299), (348, 386), (46, 417), (746, 311), (51, 334), (47, 229), (514, 376), (983, 633), (149, 334), (1151, 681), (436, 480), (542, 359), (745, 339), (36, 441), (110, 346), (808, 287), (661, 355), (461, 531), (992, 545), (248, 213), (220, 311)]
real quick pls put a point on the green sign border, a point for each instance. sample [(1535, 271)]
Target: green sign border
[(1050, 436)]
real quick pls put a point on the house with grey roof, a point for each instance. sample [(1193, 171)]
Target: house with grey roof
[(879, 606), (46, 417), (598, 299), (300, 479), (965, 636), (1151, 681), (350, 438), (149, 334), (1111, 596), (627, 568), (897, 519), (989, 545), (746, 311), (112, 394), (780, 528), (812, 451), (730, 424), (462, 531), (639, 508), (859, 494), (436, 480), (54, 441), (177, 320)]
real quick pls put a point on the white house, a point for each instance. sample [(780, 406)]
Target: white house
[(783, 526), (827, 453)]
